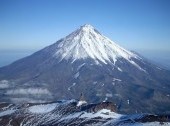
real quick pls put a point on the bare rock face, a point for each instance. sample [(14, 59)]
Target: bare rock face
[(82, 98), (97, 107)]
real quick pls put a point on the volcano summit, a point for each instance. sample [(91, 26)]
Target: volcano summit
[(87, 62)]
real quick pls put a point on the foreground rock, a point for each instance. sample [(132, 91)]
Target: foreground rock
[(62, 113)]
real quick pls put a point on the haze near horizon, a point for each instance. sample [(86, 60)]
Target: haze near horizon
[(27, 26)]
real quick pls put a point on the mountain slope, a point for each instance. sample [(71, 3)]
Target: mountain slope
[(87, 42), (88, 62)]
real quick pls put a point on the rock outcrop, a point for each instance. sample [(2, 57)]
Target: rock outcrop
[(66, 113)]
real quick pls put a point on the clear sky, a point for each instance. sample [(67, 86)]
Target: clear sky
[(134, 24)]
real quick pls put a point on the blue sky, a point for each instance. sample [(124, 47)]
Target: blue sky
[(29, 25)]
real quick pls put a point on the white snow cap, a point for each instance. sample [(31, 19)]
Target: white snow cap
[(87, 42), (87, 27), (80, 103)]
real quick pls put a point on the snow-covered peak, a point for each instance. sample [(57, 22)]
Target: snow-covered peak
[(87, 42), (87, 27)]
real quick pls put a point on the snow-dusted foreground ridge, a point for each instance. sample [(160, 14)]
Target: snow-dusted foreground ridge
[(67, 113)]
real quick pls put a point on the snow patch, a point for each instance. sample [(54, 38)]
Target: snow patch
[(159, 68), (80, 103), (132, 62), (142, 124), (7, 112), (104, 113), (79, 67), (106, 98), (99, 94), (119, 69), (4, 108), (76, 75), (113, 83), (109, 95), (115, 79), (4, 84), (42, 108), (71, 86), (95, 82)]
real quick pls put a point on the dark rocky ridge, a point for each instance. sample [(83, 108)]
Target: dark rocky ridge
[(66, 113)]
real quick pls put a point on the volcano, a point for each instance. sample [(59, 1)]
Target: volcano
[(86, 62)]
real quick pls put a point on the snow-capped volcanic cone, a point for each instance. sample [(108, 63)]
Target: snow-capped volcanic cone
[(88, 43), (87, 62)]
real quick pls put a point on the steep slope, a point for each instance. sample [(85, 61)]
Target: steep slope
[(87, 42), (88, 62)]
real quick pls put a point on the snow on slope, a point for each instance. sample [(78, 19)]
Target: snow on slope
[(87, 42), (81, 103), (42, 108), (104, 113), (7, 112)]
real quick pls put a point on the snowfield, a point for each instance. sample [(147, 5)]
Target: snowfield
[(87, 42), (42, 108)]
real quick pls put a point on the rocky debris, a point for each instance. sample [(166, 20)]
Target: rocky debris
[(145, 118), (81, 101), (97, 107), (66, 113)]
